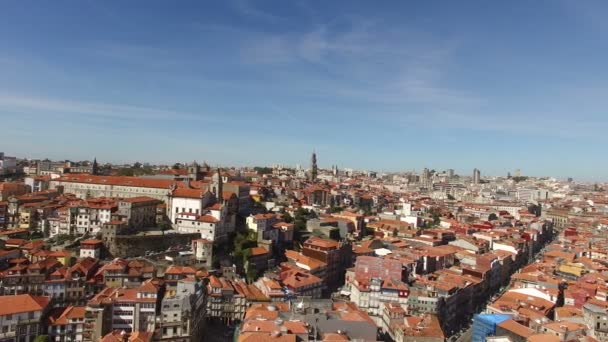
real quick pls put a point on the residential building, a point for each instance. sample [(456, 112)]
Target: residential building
[(22, 317), (91, 248), (203, 252), (67, 324), (8, 165), (337, 256)]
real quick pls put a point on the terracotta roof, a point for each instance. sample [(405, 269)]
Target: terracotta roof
[(140, 199), (324, 243), (266, 337), (71, 312), (22, 303), (256, 251), (116, 180), (207, 219), (543, 338), (296, 280), (91, 242), (188, 193), (516, 328)]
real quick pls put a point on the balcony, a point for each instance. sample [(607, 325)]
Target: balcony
[(10, 334)]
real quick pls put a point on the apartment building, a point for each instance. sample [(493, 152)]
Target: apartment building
[(22, 317)]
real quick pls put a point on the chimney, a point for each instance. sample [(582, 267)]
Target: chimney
[(124, 337)]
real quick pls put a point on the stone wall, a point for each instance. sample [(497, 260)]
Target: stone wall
[(126, 246)]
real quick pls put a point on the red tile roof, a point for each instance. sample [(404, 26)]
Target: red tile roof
[(22, 303)]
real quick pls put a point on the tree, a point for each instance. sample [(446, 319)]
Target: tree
[(41, 338), (287, 218), (126, 172), (176, 166), (436, 219), (163, 226), (451, 198), (262, 170), (335, 209), (252, 273), (137, 165), (492, 217)]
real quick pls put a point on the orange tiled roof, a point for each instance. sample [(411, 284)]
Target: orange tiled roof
[(22, 303)]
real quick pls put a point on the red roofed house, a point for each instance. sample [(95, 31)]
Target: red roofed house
[(337, 256), (91, 248), (66, 324), (21, 317), (259, 259)]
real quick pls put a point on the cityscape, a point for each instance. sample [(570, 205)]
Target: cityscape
[(301, 171), (188, 252)]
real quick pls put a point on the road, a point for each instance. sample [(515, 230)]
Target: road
[(217, 332), (467, 334)]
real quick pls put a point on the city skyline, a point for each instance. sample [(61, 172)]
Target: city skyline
[(329, 167), (400, 87)]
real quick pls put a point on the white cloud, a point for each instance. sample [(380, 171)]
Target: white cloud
[(47, 106), (248, 9)]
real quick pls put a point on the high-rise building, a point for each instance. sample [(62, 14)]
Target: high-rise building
[(476, 176), (451, 173), (425, 177), (313, 166), (8, 165)]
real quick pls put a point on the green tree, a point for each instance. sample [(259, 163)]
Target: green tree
[(451, 198), (436, 219), (176, 166), (41, 338), (263, 170), (335, 209), (252, 273), (164, 226), (287, 218), (126, 172)]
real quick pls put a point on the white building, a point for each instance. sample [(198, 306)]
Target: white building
[(203, 251), (87, 186), (67, 325), (91, 248), (207, 226), (134, 309)]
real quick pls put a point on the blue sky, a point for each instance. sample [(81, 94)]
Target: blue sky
[(372, 85)]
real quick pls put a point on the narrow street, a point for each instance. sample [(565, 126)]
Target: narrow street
[(467, 334)]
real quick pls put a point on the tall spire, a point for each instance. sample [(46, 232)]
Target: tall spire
[(313, 166), (217, 185), (95, 167)]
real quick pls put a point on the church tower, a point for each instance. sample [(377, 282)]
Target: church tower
[(194, 171), (313, 166), (217, 185), (95, 168)]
